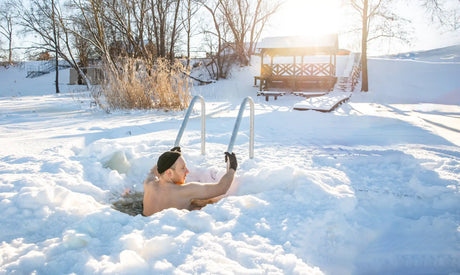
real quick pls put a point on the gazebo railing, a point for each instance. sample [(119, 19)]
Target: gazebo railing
[(305, 69)]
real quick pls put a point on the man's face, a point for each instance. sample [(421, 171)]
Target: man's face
[(179, 171)]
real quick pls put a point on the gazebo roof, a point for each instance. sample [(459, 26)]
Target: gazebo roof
[(299, 45)]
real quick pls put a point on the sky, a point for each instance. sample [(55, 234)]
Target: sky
[(303, 17)]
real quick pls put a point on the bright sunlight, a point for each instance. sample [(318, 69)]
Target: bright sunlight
[(306, 17)]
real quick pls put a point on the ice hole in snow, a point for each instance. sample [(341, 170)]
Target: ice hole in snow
[(131, 203)]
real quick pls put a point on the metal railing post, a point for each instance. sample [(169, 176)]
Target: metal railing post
[(237, 126), (203, 123)]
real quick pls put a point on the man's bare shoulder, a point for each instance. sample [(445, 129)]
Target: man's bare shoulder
[(151, 177), (151, 182)]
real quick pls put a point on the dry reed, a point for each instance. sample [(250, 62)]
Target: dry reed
[(135, 84)]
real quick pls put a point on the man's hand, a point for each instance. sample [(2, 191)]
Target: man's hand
[(231, 160), (177, 148)]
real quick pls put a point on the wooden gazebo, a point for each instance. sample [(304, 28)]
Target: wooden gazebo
[(296, 74)]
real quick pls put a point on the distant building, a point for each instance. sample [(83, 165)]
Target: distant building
[(94, 74)]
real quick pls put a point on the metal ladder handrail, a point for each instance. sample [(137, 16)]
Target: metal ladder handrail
[(237, 126), (203, 123)]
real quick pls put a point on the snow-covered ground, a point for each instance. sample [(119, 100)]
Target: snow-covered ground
[(371, 188)]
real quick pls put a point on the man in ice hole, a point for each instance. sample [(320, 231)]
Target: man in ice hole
[(165, 185)]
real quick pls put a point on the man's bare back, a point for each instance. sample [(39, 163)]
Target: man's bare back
[(165, 186)]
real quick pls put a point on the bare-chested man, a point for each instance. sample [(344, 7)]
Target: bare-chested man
[(165, 186)]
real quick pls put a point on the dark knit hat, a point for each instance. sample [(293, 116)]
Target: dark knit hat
[(167, 159)]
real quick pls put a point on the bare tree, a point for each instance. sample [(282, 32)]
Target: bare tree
[(56, 43), (90, 16), (246, 19), (174, 31), (45, 19), (190, 9), (6, 26), (444, 12), (126, 21), (41, 20), (263, 12), (237, 25), (236, 13), (219, 36), (159, 11), (165, 17), (378, 20), (81, 46)]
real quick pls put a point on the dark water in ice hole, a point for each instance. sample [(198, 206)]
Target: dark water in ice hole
[(130, 204)]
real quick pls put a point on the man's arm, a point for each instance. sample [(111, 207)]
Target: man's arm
[(197, 204), (207, 191), (203, 191)]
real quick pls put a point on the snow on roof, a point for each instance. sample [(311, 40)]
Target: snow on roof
[(312, 41)]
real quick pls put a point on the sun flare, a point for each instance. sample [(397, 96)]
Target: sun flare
[(306, 17)]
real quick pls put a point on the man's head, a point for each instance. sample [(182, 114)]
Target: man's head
[(173, 166)]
